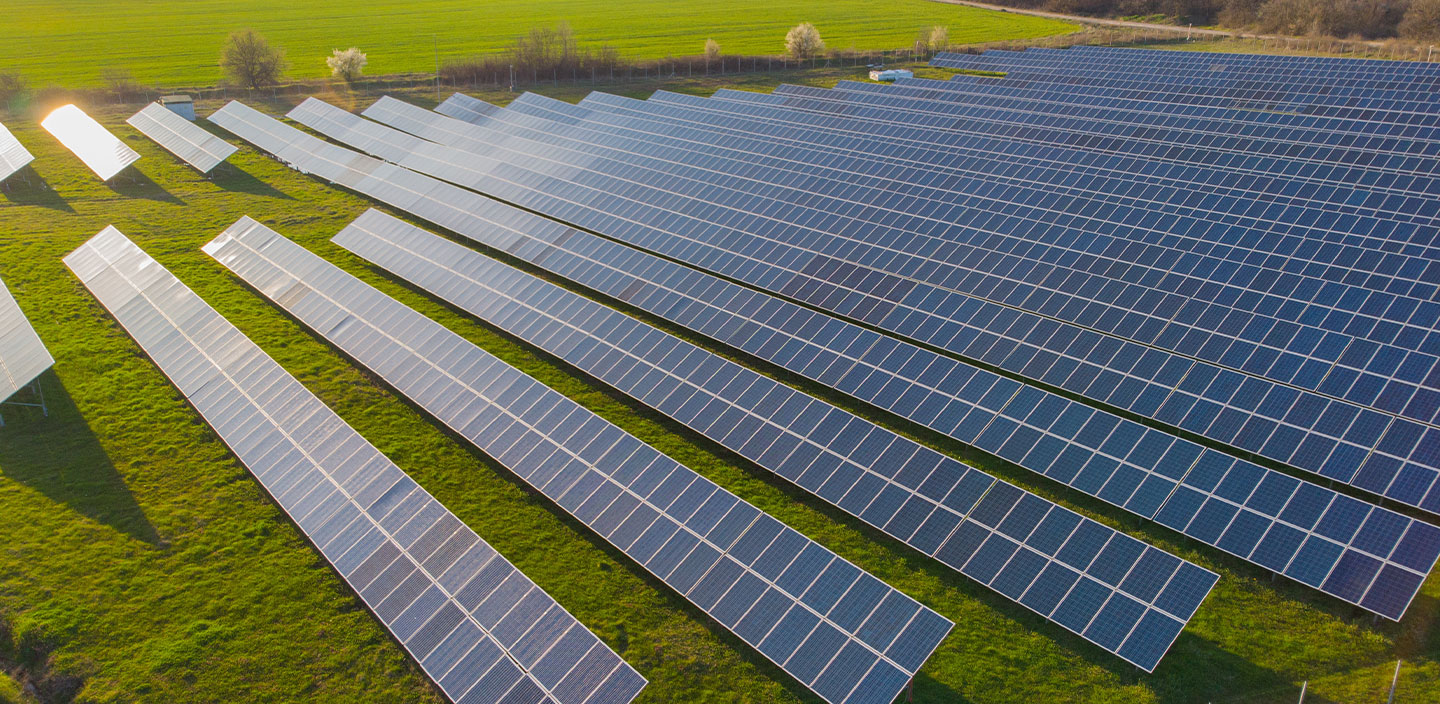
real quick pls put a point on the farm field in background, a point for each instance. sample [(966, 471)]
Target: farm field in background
[(177, 42)]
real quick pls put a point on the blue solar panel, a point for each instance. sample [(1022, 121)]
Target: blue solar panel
[(478, 627), (765, 329), (894, 484), (1198, 397), (598, 473)]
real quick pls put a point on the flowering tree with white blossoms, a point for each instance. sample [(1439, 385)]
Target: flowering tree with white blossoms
[(347, 64)]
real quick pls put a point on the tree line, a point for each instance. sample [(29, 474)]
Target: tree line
[(1367, 19)]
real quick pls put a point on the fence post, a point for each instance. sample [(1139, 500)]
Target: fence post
[(1394, 681)]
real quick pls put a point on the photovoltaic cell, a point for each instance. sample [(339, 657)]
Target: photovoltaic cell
[(985, 528), (13, 155), (479, 628), (22, 356), (181, 137), (696, 537), (1104, 455), (105, 154)]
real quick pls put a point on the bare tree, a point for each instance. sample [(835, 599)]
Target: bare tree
[(347, 64), (803, 41), (250, 60), (1422, 20), (120, 82), (12, 85), (712, 50)]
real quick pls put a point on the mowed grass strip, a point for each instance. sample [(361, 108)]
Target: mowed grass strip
[(177, 42), (137, 544)]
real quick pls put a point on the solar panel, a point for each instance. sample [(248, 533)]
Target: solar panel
[(1307, 429), (85, 138), (464, 107), (1005, 537), (1304, 531), (22, 356), (479, 628), (13, 155), (836, 629), (181, 137)]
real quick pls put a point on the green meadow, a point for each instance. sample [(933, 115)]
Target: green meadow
[(142, 563), (177, 42)]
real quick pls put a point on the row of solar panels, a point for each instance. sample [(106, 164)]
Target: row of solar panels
[(1136, 480), (1113, 590), (1422, 399), (332, 163), (105, 154), (480, 629), (1308, 429)]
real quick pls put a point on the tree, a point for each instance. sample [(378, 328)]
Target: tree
[(1422, 20), (712, 50), (803, 41), (12, 86), (347, 64), (939, 39), (120, 82), (250, 60)]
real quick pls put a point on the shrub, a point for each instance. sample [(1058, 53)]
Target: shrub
[(712, 49), (347, 64), (803, 41), (250, 60)]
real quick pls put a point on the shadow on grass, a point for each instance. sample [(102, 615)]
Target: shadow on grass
[(60, 457), (134, 183), (26, 187), (237, 180)]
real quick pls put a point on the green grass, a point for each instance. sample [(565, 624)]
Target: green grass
[(140, 550), (177, 42)]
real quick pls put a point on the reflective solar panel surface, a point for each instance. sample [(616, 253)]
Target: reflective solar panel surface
[(478, 627), (13, 155), (22, 356), (845, 635), (1021, 545), (464, 107), (1369, 448), (181, 137), (103, 152), (1305, 531)]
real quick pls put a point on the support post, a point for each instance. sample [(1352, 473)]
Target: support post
[(1395, 680)]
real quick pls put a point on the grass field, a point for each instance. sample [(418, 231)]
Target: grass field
[(145, 561), (177, 42)]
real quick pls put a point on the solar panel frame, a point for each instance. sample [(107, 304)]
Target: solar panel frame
[(410, 560), (186, 140), (595, 471), (23, 357), (102, 152)]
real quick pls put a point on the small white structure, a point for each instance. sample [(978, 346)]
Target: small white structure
[(888, 75), (181, 105)]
